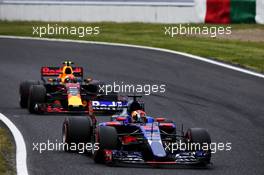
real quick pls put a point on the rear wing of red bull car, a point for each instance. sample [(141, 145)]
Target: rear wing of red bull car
[(47, 72), (56, 71)]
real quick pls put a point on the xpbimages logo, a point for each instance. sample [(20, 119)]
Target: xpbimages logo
[(55, 29), (187, 29), (145, 89), (182, 146), (59, 146)]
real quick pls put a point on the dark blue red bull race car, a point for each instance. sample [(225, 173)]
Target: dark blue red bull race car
[(132, 137)]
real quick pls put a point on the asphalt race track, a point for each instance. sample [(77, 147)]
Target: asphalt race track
[(198, 94)]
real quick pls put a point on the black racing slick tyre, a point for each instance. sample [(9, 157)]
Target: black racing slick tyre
[(37, 95), (107, 138), (24, 88), (75, 130), (199, 136)]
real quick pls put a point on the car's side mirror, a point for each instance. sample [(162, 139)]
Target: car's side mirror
[(88, 80), (160, 119), (120, 119)]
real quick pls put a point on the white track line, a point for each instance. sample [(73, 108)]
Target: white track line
[(21, 151), (145, 47)]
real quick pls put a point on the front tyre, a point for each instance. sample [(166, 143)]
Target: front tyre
[(198, 138), (76, 130), (37, 95), (107, 138), (24, 89)]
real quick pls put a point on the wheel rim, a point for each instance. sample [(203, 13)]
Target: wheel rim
[(64, 135), (92, 151)]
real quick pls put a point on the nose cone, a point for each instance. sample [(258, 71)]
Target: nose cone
[(157, 149), (75, 101)]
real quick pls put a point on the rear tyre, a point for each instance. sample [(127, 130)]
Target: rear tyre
[(37, 95), (24, 88), (108, 140), (76, 130), (199, 136)]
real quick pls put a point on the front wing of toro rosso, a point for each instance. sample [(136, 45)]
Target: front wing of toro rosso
[(149, 145)]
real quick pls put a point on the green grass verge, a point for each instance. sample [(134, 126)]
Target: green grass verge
[(248, 54), (6, 153)]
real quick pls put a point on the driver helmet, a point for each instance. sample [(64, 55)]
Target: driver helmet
[(138, 116), (69, 79)]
